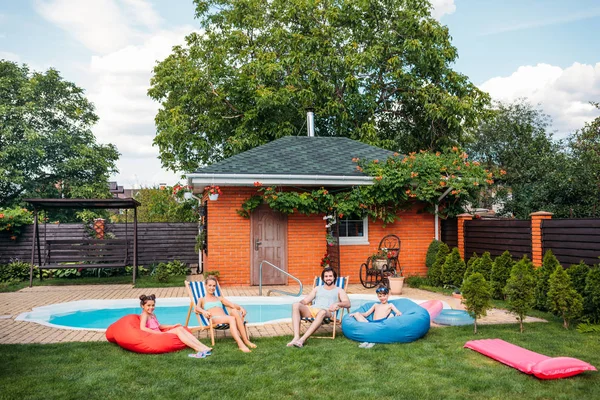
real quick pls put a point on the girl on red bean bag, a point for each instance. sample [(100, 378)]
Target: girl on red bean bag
[(149, 323)]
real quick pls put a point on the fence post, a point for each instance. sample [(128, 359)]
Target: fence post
[(461, 232), (99, 228), (536, 236)]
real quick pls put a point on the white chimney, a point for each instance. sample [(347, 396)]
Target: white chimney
[(310, 122)]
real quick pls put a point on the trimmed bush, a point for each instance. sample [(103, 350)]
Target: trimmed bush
[(549, 265), (163, 271), (471, 264), (563, 300), (500, 274), (434, 274), (520, 290), (453, 269), (591, 295), (432, 251), (578, 273), (484, 266), (476, 293)]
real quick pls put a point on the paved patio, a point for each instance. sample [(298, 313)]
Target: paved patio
[(12, 304)]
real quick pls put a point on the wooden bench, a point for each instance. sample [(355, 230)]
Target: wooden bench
[(86, 253)]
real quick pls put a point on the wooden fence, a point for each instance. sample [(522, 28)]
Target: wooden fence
[(572, 240), (450, 232), (497, 236), (157, 242)]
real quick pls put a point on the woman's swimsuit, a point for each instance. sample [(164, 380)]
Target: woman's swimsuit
[(152, 323), (211, 304)]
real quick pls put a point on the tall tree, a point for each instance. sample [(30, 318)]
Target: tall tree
[(378, 72), (46, 146)]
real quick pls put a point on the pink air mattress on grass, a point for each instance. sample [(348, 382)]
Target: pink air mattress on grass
[(527, 361)]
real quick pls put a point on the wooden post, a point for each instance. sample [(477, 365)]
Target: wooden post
[(135, 243), (461, 232), (536, 236), (35, 223)]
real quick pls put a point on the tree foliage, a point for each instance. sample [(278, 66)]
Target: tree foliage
[(592, 295), (520, 289), (163, 205), (500, 274), (476, 293), (549, 264), (434, 274), (377, 72), (47, 148), (432, 252), (578, 273), (453, 270), (563, 300)]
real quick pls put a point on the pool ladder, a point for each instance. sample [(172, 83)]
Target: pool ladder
[(260, 269)]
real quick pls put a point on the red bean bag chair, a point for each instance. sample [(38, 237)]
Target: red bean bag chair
[(126, 333)]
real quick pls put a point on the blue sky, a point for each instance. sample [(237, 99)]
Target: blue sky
[(547, 51)]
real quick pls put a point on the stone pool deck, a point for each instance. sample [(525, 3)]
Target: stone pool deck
[(12, 304)]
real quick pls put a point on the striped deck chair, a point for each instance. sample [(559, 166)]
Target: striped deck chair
[(342, 283), (196, 291)]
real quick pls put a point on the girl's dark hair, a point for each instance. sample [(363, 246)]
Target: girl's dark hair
[(144, 299)]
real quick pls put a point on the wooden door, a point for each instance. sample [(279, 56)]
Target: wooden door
[(269, 243)]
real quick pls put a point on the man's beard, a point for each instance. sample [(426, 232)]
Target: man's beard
[(330, 283)]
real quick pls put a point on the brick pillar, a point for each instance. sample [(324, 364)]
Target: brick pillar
[(536, 236), (461, 232), (99, 228)]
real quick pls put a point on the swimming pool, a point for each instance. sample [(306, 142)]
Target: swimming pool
[(97, 315)]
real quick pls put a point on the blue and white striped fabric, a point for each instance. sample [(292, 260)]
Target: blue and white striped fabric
[(198, 290)]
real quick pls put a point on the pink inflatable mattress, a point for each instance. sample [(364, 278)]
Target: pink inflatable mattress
[(527, 361)]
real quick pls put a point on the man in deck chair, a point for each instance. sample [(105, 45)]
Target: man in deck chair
[(328, 298)]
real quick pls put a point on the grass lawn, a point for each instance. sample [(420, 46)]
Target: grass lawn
[(435, 367)]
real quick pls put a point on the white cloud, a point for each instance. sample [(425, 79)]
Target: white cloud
[(7, 55), (442, 7), (102, 26), (120, 81), (564, 94)]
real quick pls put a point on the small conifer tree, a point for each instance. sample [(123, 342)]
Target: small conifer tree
[(484, 266), (432, 251), (476, 293), (578, 273), (500, 273), (453, 269), (434, 274), (563, 300), (549, 265), (471, 264), (592, 295), (520, 289)]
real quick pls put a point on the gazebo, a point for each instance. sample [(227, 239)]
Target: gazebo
[(82, 253)]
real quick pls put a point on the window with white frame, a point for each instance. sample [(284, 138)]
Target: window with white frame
[(354, 230)]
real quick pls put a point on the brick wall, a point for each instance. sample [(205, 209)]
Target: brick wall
[(229, 242)]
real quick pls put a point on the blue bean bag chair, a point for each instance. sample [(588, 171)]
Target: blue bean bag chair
[(411, 325)]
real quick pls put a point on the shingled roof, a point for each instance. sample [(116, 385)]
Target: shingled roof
[(294, 160)]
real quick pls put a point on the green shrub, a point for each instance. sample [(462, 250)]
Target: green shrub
[(549, 265), (563, 300), (453, 269), (416, 281), (163, 271), (591, 295), (471, 264), (16, 271), (434, 274), (520, 289), (476, 293), (578, 273), (484, 265), (13, 219), (432, 251), (500, 273), (214, 273)]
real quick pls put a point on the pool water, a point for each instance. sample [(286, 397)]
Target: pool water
[(102, 318)]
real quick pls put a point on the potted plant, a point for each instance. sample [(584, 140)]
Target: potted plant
[(379, 259), (213, 192), (396, 282)]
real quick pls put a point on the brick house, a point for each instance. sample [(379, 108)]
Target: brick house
[(296, 242)]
